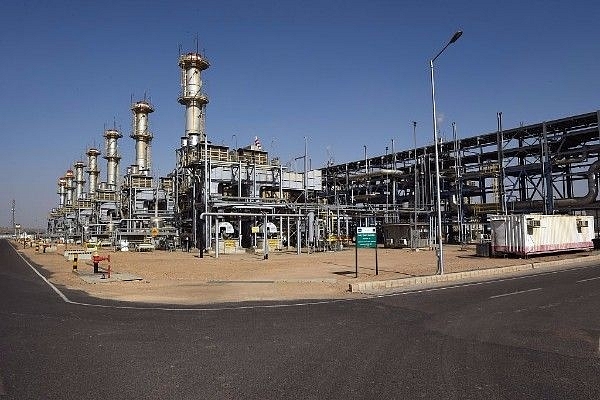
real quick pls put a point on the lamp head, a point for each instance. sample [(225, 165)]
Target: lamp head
[(457, 35)]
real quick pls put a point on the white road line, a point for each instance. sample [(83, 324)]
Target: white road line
[(511, 293), (299, 304), (61, 294), (69, 301), (589, 279)]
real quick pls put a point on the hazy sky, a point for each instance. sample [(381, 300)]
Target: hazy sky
[(342, 73)]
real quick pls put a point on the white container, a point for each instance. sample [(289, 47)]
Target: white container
[(527, 234)]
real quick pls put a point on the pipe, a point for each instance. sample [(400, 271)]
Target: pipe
[(239, 214), (381, 172), (592, 176), (592, 189)]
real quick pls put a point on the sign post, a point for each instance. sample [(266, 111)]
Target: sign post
[(366, 237)]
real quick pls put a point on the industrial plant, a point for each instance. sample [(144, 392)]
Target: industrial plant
[(225, 200)]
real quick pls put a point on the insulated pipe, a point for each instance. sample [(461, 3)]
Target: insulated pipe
[(366, 175), (592, 189), (592, 194), (265, 215), (240, 214)]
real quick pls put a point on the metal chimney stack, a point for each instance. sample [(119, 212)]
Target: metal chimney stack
[(93, 170), (112, 157), (142, 134), (79, 181), (192, 96)]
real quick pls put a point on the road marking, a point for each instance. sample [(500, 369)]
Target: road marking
[(62, 296), (480, 283), (589, 279), (248, 307), (512, 293), (301, 304)]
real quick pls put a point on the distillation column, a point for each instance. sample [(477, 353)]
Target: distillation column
[(93, 171), (192, 96), (79, 181), (112, 157), (62, 192), (69, 188), (142, 135)]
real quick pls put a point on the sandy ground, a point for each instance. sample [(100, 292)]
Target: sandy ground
[(184, 278)]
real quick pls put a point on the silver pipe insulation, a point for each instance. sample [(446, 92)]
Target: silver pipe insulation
[(589, 197)]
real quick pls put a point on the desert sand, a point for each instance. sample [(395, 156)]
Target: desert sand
[(179, 277)]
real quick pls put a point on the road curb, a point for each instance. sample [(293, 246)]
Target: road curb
[(360, 287)]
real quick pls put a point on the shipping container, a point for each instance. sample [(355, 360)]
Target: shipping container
[(529, 234)]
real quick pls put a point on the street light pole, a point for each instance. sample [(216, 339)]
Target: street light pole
[(413, 244), (438, 202)]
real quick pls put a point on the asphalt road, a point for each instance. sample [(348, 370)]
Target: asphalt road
[(535, 337)]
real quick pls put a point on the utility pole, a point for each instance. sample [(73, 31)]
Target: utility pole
[(394, 182), (438, 188), (13, 218)]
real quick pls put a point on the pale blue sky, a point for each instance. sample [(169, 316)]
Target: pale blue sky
[(343, 73)]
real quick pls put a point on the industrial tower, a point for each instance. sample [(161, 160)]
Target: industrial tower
[(192, 96), (93, 171), (142, 135), (112, 157)]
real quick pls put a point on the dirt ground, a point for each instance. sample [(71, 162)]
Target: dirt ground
[(183, 278)]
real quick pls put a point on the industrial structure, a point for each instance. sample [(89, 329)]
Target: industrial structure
[(228, 200), (550, 167), (119, 208)]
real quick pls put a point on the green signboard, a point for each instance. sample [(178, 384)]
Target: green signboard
[(366, 237)]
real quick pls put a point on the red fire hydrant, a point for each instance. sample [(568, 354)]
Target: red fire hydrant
[(96, 258)]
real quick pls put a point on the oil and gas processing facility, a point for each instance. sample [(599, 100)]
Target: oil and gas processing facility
[(226, 200)]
